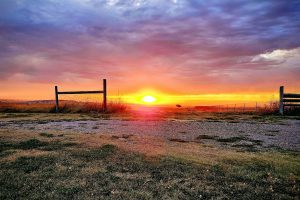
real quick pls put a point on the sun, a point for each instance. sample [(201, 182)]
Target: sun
[(149, 99)]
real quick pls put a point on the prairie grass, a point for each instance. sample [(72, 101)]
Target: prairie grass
[(108, 172), (65, 107), (25, 108), (46, 134), (270, 110)]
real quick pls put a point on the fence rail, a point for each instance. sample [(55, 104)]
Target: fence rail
[(289, 95), (287, 99), (82, 92), (104, 92)]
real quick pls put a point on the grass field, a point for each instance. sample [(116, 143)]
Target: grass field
[(69, 164)]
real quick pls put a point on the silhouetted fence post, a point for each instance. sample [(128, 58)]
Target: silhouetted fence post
[(56, 99), (104, 92), (281, 106), (104, 95)]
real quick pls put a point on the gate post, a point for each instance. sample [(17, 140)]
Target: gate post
[(281, 106), (104, 95), (56, 100)]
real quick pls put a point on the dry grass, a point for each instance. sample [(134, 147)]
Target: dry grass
[(65, 107), (101, 167), (25, 108), (271, 109)]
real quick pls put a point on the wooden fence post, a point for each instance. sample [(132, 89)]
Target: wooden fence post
[(256, 107), (281, 106), (56, 100), (104, 95)]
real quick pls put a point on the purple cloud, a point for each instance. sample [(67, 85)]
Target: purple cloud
[(192, 42)]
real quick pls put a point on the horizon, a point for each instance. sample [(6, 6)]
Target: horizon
[(134, 100), (178, 51)]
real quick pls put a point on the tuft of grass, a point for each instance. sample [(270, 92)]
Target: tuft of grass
[(35, 144), (246, 147), (31, 164), (5, 145), (31, 144), (123, 136), (256, 142), (231, 139), (177, 140), (233, 142), (49, 135), (53, 146), (6, 153), (206, 137), (94, 154)]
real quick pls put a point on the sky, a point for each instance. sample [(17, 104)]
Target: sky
[(185, 49)]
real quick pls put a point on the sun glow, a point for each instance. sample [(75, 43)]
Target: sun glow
[(156, 98), (149, 99)]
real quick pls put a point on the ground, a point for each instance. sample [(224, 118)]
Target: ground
[(174, 156)]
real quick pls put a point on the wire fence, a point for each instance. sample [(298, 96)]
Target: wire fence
[(259, 107)]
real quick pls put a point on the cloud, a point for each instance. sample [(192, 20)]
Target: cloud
[(280, 55), (167, 42)]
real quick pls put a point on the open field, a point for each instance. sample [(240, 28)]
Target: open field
[(179, 155)]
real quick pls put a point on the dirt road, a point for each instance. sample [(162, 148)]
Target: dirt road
[(250, 135)]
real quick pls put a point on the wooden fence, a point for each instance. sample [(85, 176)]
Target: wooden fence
[(104, 92), (287, 99)]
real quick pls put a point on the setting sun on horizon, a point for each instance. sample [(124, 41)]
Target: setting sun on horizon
[(149, 99)]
